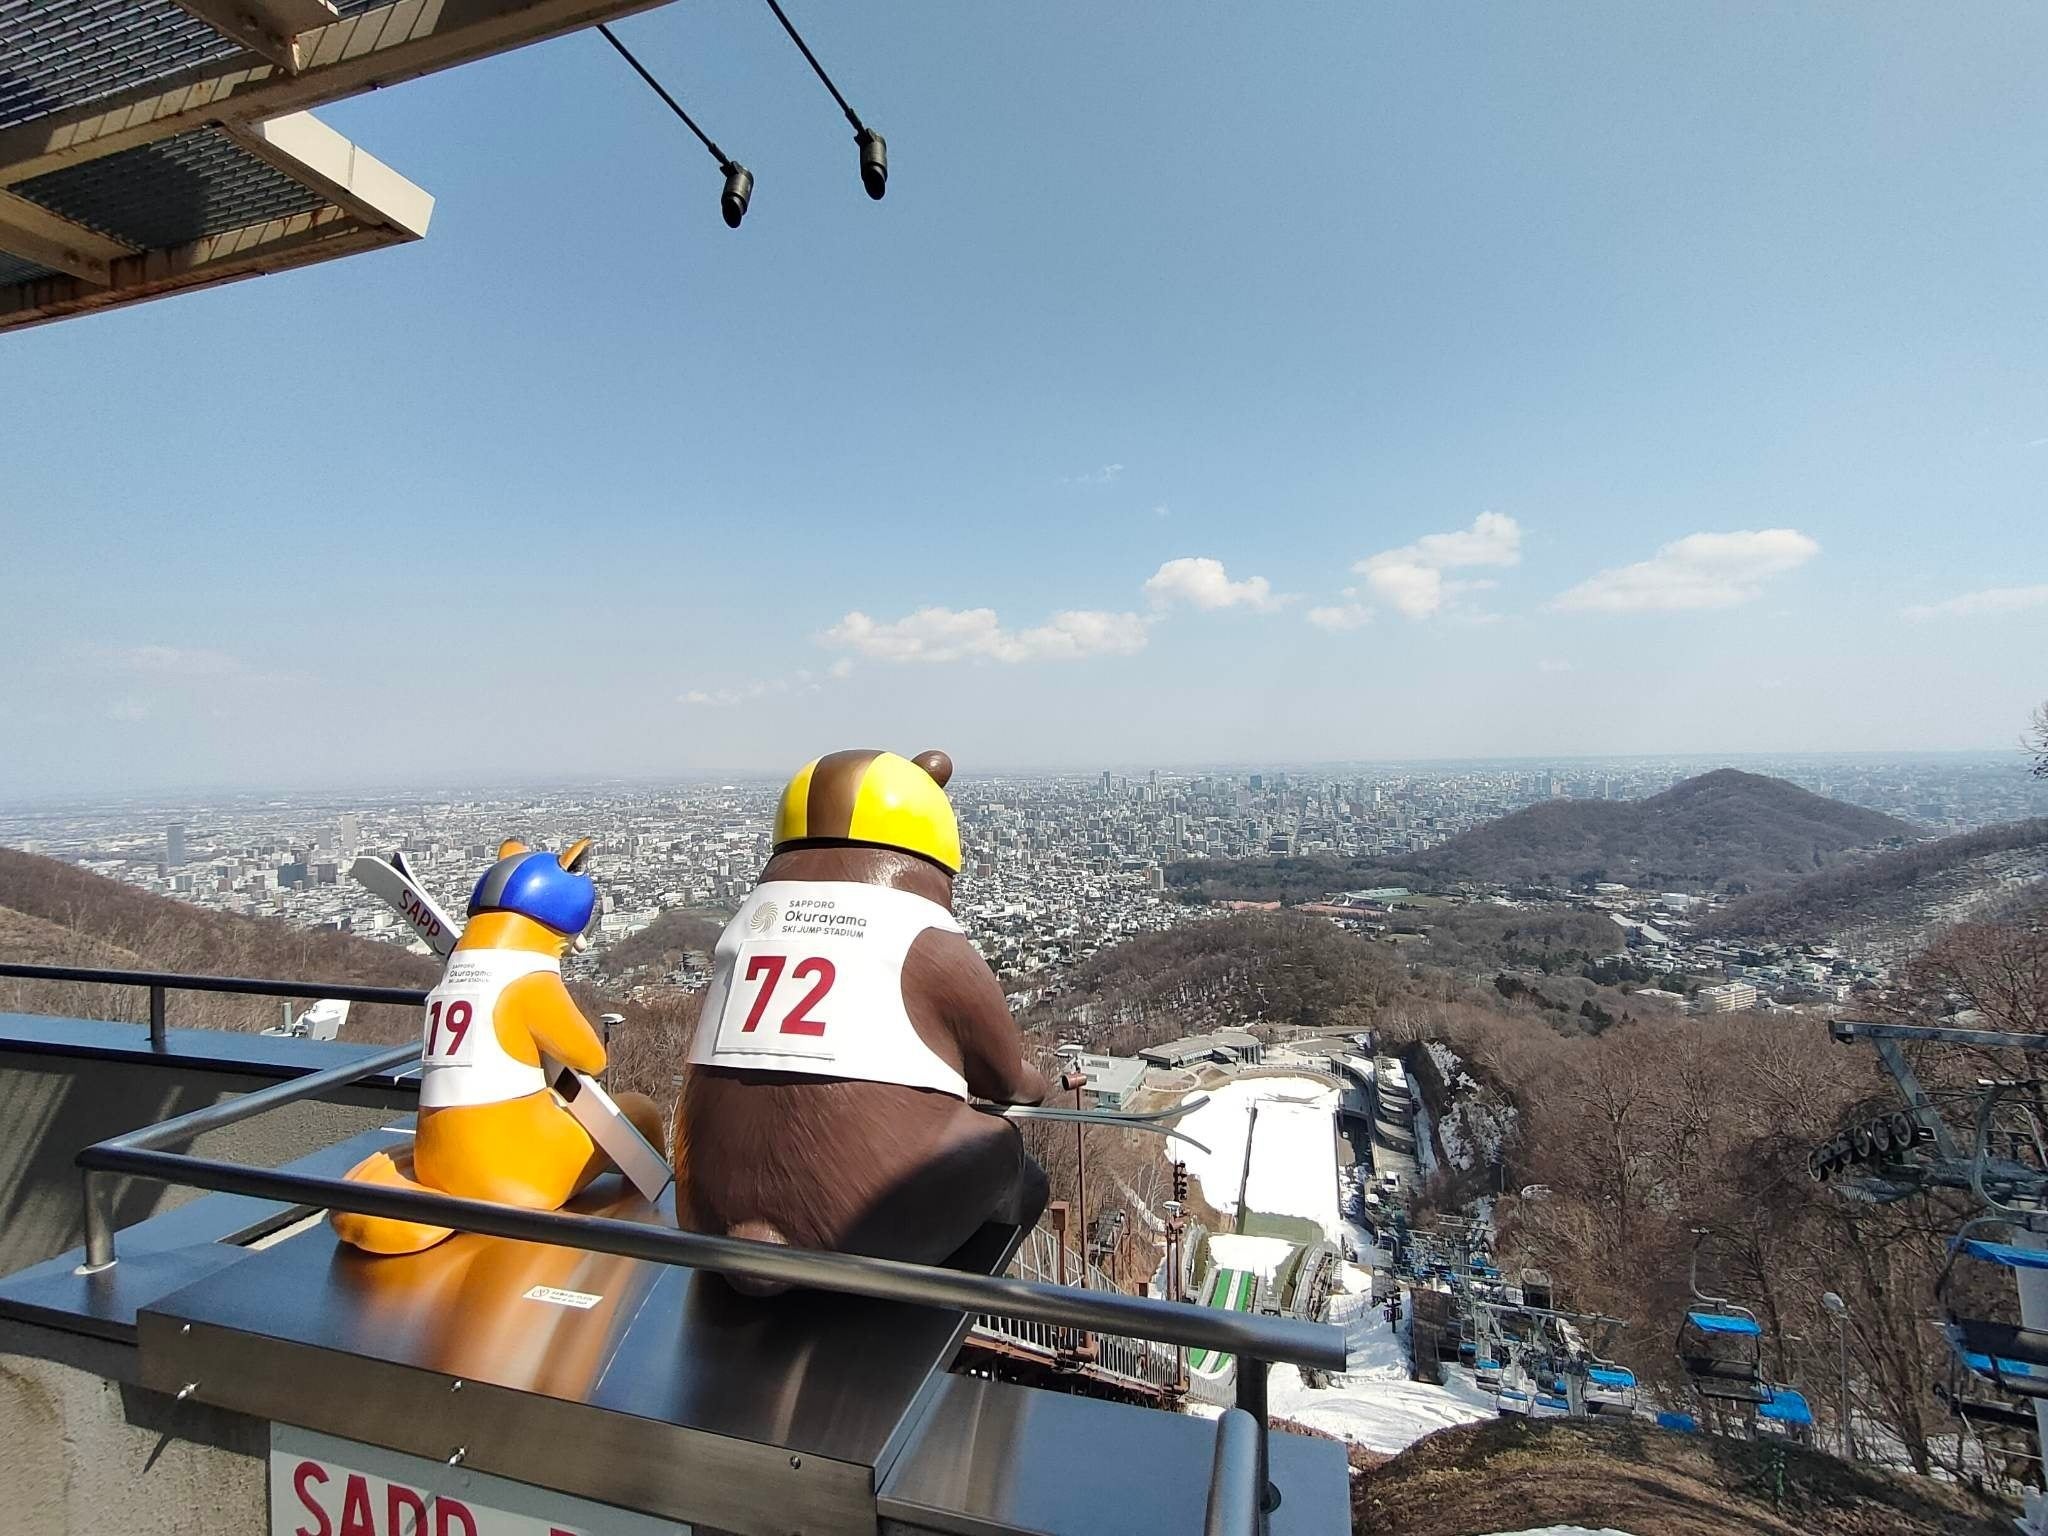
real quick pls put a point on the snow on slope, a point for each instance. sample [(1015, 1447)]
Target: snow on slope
[(1294, 1162), (1294, 1169), (1373, 1403), (1261, 1256), (1563, 1530)]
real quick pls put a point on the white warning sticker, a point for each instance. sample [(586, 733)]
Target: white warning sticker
[(582, 1300)]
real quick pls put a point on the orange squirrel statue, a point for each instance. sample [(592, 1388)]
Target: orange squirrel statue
[(490, 1127)]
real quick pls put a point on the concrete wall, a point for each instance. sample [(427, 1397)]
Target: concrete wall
[(85, 1451), (52, 1106)]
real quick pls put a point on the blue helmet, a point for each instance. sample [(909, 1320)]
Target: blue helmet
[(535, 885)]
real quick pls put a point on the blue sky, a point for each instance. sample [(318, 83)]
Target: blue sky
[(1506, 380)]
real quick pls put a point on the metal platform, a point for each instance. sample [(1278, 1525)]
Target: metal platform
[(643, 1385), (660, 1390), (598, 1354)]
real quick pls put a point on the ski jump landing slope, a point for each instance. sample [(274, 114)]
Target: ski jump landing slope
[(1293, 1149)]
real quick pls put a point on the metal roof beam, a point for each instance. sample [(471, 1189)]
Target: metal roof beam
[(395, 42), (313, 154), (32, 232), (293, 241), (268, 27)]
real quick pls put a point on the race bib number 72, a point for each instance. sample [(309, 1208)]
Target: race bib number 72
[(779, 1002)]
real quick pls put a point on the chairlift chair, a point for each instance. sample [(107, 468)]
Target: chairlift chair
[(1720, 1345), (1979, 1411), (1610, 1388), (2010, 1356)]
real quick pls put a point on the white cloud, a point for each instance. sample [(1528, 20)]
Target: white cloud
[(1416, 591), (1341, 617), (1971, 605), (958, 634), (1493, 539), (800, 681), (1410, 579), (1162, 511), (128, 709), (1202, 582), (1699, 571), (1102, 476), (842, 668)]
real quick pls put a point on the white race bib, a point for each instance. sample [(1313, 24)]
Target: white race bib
[(462, 1059), (808, 977)]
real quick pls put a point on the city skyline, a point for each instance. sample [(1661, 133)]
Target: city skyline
[(1330, 385)]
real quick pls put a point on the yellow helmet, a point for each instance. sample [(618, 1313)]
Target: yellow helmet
[(873, 797)]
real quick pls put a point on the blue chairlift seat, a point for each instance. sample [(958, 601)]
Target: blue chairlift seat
[(2007, 1343), (1683, 1423), (2006, 1255), (1552, 1403), (1721, 1322), (2022, 1378), (1620, 1378), (1786, 1406)]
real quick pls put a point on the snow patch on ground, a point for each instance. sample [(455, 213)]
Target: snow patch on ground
[(1563, 1530), (1373, 1403), (1293, 1162)]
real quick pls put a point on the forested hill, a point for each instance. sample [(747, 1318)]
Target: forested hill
[(1720, 829), (1280, 967), (1907, 889), (53, 913)]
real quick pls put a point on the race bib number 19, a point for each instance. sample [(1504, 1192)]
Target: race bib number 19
[(448, 1024)]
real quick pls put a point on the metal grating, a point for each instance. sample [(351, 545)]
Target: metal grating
[(169, 193), (65, 53), (14, 270)]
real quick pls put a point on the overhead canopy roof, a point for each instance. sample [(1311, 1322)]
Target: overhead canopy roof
[(150, 146)]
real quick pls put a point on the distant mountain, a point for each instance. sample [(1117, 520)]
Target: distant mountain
[(1720, 828), (1897, 895)]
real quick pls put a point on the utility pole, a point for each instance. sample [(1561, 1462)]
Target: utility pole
[(1839, 1311)]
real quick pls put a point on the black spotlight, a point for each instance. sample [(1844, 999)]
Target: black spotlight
[(874, 162), (739, 187)]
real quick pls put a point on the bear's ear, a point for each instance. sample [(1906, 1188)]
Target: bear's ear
[(574, 855), (937, 764), (510, 846)]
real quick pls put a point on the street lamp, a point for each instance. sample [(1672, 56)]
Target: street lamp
[(1073, 1077), (1838, 1309), (874, 152)]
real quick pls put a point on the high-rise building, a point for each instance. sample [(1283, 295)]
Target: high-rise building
[(174, 845), (351, 835)]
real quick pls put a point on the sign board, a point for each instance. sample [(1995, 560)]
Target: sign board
[(321, 1486)]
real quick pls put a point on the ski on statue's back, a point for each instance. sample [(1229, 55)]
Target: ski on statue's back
[(1152, 1122)]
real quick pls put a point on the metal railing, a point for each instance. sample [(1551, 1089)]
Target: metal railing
[(162, 983), (1234, 1507), (1140, 1361), (1256, 1341)]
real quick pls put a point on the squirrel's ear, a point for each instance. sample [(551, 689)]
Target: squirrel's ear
[(937, 764), (510, 846), (574, 855)]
